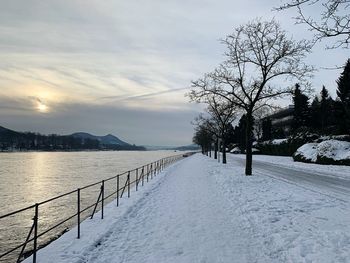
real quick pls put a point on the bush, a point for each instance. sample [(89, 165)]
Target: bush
[(326, 152), (286, 147)]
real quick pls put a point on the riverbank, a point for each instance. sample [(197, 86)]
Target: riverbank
[(29, 178), (198, 210)]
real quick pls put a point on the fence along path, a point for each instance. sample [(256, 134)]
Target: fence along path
[(113, 188)]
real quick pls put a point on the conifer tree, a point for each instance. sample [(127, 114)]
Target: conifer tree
[(239, 132), (343, 93), (266, 129), (326, 110), (315, 114), (301, 109), (343, 82)]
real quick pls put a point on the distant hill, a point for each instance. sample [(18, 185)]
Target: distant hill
[(191, 147), (106, 140), (23, 141), (7, 133)]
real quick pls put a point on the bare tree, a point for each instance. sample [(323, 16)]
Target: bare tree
[(259, 57), (221, 114), (332, 21), (203, 138), (206, 124)]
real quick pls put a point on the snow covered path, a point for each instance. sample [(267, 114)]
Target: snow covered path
[(198, 210), (182, 219)]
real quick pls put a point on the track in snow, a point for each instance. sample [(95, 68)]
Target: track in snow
[(324, 183), (182, 219)]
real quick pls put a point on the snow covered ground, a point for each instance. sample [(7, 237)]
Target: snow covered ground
[(339, 171), (198, 210)]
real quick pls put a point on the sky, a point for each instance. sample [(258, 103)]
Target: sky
[(123, 67)]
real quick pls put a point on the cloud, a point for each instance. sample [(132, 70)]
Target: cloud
[(83, 58), (137, 126)]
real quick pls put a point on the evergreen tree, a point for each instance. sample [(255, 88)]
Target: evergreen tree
[(343, 93), (230, 134), (266, 129), (326, 113), (315, 114), (239, 133), (301, 109), (343, 82), (340, 118)]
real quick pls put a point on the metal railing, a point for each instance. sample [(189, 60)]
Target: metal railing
[(119, 185)]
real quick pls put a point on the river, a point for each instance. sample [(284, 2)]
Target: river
[(30, 177)]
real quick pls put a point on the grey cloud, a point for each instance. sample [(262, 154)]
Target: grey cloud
[(133, 125), (96, 46), (142, 96)]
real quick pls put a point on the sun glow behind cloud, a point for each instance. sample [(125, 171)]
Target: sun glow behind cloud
[(80, 80), (42, 108)]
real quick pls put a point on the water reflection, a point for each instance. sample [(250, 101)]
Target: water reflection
[(27, 178)]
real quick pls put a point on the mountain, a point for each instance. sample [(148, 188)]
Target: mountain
[(23, 141), (106, 140), (111, 139), (7, 133)]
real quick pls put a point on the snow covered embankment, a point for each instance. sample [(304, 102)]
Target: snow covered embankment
[(326, 152), (201, 211)]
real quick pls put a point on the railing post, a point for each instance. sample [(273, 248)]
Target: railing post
[(128, 184), (151, 171), (78, 213), (147, 172), (118, 190), (35, 246), (137, 178), (102, 197), (143, 175)]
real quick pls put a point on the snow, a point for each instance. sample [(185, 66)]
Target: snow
[(235, 150), (336, 150), (199, 210), (278, 141), (308, 151), (275, 141), (338, 171), (255, 150), (331, 149)]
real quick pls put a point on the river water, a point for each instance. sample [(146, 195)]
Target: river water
[(31, 177)]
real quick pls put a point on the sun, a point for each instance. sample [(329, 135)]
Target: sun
[(42, 107)]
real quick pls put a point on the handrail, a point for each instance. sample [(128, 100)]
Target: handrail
[(141, 173)]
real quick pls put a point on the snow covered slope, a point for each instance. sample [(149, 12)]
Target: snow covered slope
[(198, 210), (326, 152)]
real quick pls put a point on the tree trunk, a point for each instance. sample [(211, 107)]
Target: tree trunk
[(216, 149), (210, 150), (249, 132), (223, 151)]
